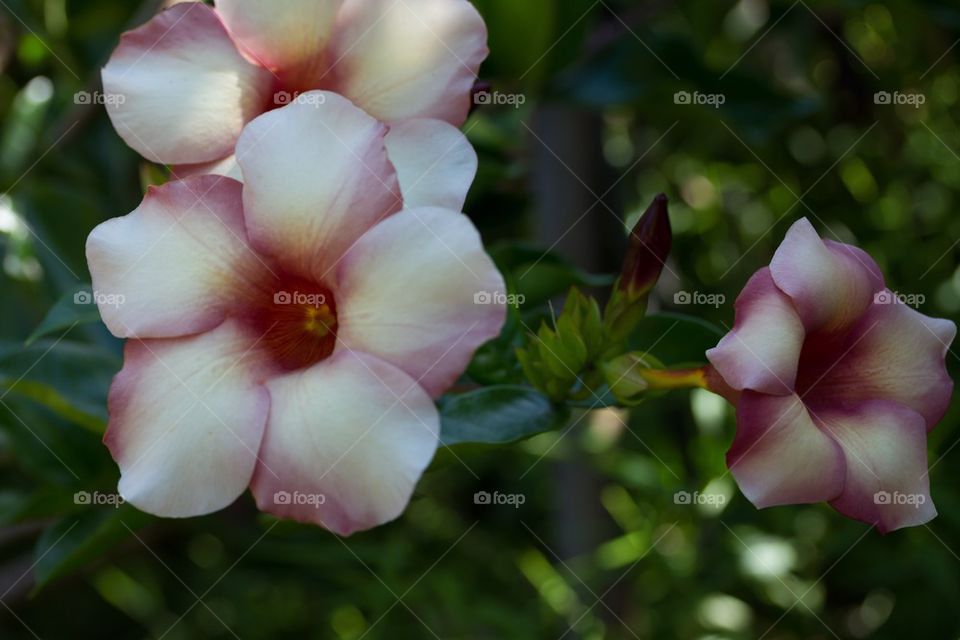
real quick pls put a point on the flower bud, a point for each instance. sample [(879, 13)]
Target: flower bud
[(624, 375), (650, 243), (649, 247), (557, 357)]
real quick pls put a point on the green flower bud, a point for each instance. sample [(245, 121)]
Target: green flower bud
[(624, 375)]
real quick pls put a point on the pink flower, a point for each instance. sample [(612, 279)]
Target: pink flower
[(288, 333), (836, 385), (193, 76)]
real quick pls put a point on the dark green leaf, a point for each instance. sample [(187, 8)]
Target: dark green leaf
[(74, 308), (675, 338), (496, 415), (78, 539), (71, 379), (538, 276)]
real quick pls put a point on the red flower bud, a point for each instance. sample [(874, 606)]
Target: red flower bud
[(650, 243)]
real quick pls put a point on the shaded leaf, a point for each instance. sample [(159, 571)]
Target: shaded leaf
[(71, 379), (496, 415), (74, 308), (538, 276), (79, 539), (675, 338)]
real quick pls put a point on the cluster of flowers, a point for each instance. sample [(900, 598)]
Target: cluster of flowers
[(299, 295)]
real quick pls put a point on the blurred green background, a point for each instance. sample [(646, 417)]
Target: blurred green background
[(602, 547)]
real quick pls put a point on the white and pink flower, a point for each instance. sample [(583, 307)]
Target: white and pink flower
[(289, 333), (194, 75), (836, 385)]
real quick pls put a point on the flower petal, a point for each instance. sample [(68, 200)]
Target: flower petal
[(174, 265), (892, 353), (435, 163), (316, 178), (411, 292), (349, 438), (762, 351), (830, 283), (282, 35), (779, 456), (186, 91), (885, 445), (186, 419), (409, 59), (226, 167)]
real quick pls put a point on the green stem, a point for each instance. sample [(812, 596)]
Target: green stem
[(669, 379)]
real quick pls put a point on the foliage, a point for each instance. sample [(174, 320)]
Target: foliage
[(614, 536)]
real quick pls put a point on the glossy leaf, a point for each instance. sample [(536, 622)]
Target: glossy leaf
[(496, 415)]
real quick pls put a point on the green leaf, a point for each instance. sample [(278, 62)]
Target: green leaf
[(74, 308), (47, 448), (70, 378), (539, 276), (496, 415), (675, 338), (78, 539)]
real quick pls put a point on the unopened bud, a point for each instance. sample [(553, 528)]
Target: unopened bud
[(650, 243), (624, 375)]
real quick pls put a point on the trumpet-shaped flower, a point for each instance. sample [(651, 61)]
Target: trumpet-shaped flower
[(194, 75), (289, 333), (836, 384)]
